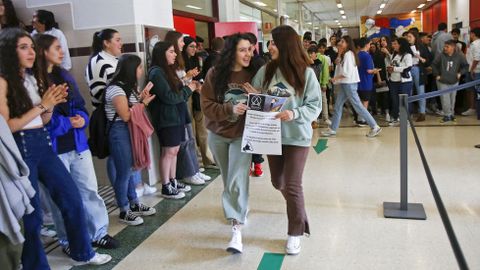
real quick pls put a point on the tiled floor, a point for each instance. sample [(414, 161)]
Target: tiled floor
[(345, 187)]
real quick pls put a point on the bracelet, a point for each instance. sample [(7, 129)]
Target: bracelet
[(145, 104)]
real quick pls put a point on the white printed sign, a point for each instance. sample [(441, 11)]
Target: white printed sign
[(262, 133)]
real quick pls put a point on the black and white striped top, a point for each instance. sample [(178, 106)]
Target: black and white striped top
[(114, 91), (99, 73)]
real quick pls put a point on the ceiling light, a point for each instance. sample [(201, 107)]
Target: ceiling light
[(295, 21), (336, 21), (193, 7), (341, 27), (339, 5), (379, 11), (429, 0), (260, 4), (316, 28), (275, 10), (413, 11), (344, 17), (309, 23), (342, 11), (421, 6), (382, 5)]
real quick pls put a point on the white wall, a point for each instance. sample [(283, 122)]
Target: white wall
[(229, 10), (156, 13), (458, 11)]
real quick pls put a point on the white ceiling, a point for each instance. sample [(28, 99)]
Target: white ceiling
[(327, 10)]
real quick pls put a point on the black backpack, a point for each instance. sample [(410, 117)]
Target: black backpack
[(99, 128)]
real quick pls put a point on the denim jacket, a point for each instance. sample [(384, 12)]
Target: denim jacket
[(60, 124)]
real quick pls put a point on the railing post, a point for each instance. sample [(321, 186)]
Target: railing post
[(404, 209)]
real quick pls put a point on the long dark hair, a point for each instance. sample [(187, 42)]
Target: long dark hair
[(126, 73), (404, 46), (417, 39), (47, 18), (11, 19), (18, 100), (159, 59), (173, 37), (98, 39), (292, 59), (43, 43), (223, 68), (350, 47)]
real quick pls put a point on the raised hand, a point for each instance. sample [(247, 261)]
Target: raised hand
[(250, 89), (240, 109), (54, 95)]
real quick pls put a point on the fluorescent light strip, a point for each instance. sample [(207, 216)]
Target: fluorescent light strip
[(260, 4), (193, 7), (339, 5), (421, 6), (413, 11), (382, 5), (344, 17), (342, 11), (379, 11)]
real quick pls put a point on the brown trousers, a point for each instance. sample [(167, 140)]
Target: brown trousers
[(286, 172), (200, 133)]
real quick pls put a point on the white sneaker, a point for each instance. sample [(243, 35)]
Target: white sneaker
[(194, 180), (47, 232), (98, 259), (235, 245), (140, 191), (293, 245), (374, 132), (328, 122), (204, 176), (387, 117), (469, 112), (147, 189), (328, 133)]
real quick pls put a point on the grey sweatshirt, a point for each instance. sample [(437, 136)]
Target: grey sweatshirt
[(15, 188), (448, 67), (438, 41)]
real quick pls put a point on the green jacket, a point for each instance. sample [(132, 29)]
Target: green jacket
[(325, 75), (306, 108), (163, 108)]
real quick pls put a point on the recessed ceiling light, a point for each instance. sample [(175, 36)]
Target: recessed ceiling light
[(336, 21), (193, 7), (260, 4), (341, 27), (316, 28), (339, 5), (379, 12), (342, 11), (413, 11), (421, 6), (295, 20), (309, 23), (344, 17), (275, 10), (382, 5)]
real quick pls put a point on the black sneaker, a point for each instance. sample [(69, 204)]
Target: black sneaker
[(445, 119), (129, 218), (170, 192), (142, 210), (361, 123), (66, 251), (106, 242), (180, 186)]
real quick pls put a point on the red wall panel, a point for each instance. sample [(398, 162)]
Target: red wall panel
[(474, 13), (435, 14), (185, 25)]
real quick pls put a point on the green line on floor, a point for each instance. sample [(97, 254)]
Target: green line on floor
[(321, 145), (133, 236), (271, 261)]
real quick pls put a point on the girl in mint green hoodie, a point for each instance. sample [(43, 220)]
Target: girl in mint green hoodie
[(289, 71)]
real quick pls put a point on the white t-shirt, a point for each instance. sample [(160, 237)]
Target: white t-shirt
[(475, 54), (31, 85), (113, 91), (400, 63), (415, 59), (348, 69)]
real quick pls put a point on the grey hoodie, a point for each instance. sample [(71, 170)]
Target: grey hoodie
[(448, 67), (438, 41)]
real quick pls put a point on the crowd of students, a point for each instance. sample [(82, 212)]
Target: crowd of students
[(194, 102)]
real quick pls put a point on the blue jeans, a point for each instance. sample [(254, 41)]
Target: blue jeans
[(121, 154), (348, 91), (420, 87), (80, 166), (397, 88), (46, 167)]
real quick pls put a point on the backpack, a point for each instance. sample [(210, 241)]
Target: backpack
[(99, 129)]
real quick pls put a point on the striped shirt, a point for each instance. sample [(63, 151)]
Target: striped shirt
[(114, 91), (99, 73)]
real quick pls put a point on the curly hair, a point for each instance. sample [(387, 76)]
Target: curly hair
[(18, 100), (10, 16), (224, 66)]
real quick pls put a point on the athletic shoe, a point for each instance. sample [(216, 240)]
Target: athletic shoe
[(328, 122), (394, 122), (293, 245), (235, 245), (170, 192), (204, 176), (374, 132), (194, 180), (47, 232), (148, 190), (420, 117), (141, 209), (477, 146), (328, 133), (387, 117), (361, 123), (445, 119), (469, 112), (257, 170), (453, 118), (127, 217), (98, 259), (211, 166), (66, 251), (106, 242), (180, 186)]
